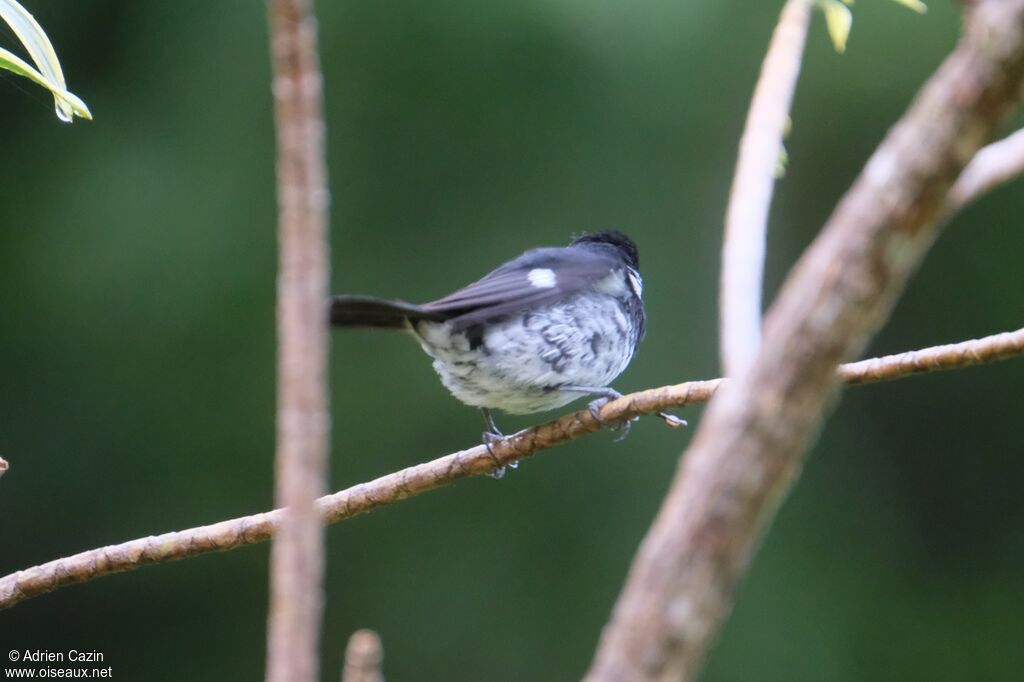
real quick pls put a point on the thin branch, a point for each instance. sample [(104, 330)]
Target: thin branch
[(363, 657), (950, 356), (746, 217), (303, 421), (752, 439), (993, 166), (443, 471)]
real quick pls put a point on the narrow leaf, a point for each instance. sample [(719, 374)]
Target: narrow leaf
[(39, 48), (15, 64), (915, 5), (838, 19)]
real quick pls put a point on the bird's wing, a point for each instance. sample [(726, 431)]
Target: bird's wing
[(536, 278)]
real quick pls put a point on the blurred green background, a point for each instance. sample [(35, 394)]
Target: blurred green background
[(137, 265)]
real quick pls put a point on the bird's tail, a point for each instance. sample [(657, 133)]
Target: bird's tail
[(379, 313)]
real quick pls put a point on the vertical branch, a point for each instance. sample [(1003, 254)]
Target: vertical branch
[(751, 443), (303, 422), (363, 657), (746, 217)]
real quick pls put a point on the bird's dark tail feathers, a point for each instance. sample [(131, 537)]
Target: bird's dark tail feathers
[(367, 311)]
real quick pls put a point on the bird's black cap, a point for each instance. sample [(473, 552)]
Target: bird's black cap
[(623, 244)]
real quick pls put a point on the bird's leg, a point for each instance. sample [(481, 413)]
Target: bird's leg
[(608, 394), (489, 436)]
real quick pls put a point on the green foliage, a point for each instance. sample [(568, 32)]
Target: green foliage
[(839, 19), (137, 268), (48, 74)]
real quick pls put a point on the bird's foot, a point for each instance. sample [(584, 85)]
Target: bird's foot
[(489, 438), (594, 407)]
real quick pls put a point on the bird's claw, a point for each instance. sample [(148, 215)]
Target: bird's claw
[(672, 421), (594, 407), (489, 438), (623, 428)]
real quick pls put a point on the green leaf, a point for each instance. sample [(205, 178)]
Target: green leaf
[(915, 5), (783, 161), (15, 64), (838, 19), (47, 71)]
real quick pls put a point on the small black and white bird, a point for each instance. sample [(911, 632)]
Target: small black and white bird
[(535, 334)]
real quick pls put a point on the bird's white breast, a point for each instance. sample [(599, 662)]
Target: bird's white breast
[(586, 340)]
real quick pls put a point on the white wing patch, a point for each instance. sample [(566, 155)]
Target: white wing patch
[(636, 282), (542, 278)]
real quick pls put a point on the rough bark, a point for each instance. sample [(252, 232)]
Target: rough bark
[(752, 440), (297, 556)]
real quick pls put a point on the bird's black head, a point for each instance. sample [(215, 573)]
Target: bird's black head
[(620, 242)]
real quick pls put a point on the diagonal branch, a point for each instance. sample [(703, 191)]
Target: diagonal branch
[(303, 418), (950, 356), (993, 166), (746, 217), (443, 471), (752, 440)]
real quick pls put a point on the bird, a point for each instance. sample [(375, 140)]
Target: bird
[(538, 332)]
